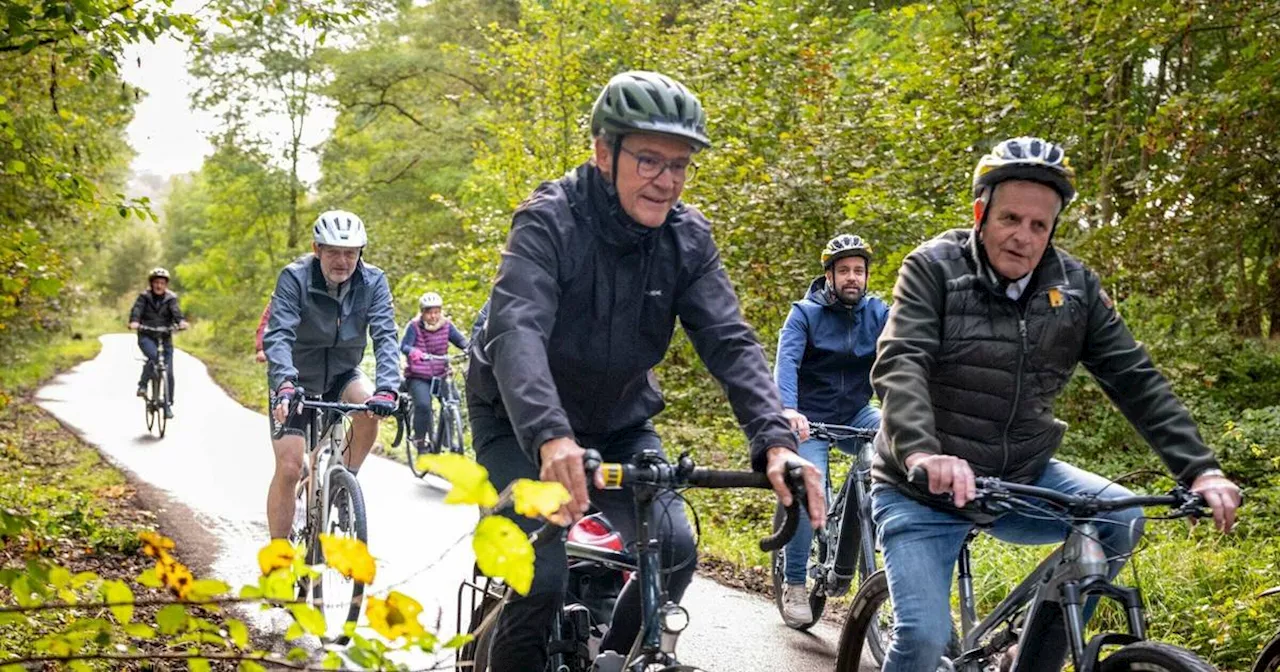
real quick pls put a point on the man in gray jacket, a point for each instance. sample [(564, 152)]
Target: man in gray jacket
[(323, 307), (986, 328)]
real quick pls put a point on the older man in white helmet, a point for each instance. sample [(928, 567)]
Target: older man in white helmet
[(324, 307)]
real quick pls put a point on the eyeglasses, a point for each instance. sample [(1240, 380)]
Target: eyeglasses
[(649, 167)]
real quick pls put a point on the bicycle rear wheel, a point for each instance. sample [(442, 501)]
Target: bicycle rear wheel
[(1269, 661), (454, 431), (1153, 657), (411, 449), (338, 597)]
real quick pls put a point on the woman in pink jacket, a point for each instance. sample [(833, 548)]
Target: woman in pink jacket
[(428, 334)]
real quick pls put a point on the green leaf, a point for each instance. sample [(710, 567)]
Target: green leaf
[(250, 592), (207, 588), (294, 632), (332, 661), (79, 666), (198, 665), (238, 632), (309, 618), (171, 618), (250, 666), (59, 577), (458, 641), (17, 167), (81, 579), (297, 654), (118, 591), (150, 579), (140, 630)]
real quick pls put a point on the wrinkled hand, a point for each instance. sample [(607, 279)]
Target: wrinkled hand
[(780, 460), (947, 474), (382, 403), (133, 325), (260, 357), (1222, 496), (184, 325), (799, 423), (284, 397), (562, 463)]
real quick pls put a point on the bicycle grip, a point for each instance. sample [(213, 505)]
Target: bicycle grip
[(782, 535), (719, 478)]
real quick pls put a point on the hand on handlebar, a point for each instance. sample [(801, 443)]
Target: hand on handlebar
[(779, 461), (133, 326), (382, 403), (799, 423), (947, 474), (284, 398), (562, 463), (1222, 496)]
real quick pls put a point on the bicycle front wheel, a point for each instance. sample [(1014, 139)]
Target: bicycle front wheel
[(454, 432), (1154, 657), (339, 598), (1269, 661), (161, 399), (870, 615)]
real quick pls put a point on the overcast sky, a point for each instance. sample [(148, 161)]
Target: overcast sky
[(168, 135)]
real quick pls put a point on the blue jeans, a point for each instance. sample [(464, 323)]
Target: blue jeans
[(150, 346), (815, 450), (921, 545)]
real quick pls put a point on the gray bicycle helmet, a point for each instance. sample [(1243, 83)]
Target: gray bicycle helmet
[(650, 102), (1026, 158)]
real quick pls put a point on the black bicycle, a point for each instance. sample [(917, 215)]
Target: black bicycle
[(447, 406), (1269, 660), (158, 393), (333, 504), (1056, 589), (847, 545), (593, 566)]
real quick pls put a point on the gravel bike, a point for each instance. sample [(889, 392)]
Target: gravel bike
[(330, 502)]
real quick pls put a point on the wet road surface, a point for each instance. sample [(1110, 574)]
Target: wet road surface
[(208, 479)]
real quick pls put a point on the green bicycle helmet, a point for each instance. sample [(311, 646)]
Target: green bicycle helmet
[(844, 245), (1026, 158), (649, 102)]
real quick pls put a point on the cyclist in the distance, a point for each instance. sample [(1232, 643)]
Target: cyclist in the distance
[(823, 370), (157, 306), (325, 307), (429, 334)]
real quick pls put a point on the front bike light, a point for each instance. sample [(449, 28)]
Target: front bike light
[(674, 619)]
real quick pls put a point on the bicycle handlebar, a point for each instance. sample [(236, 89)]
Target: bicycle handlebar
[(997, 496), (159, 330), (830, 432), (653, 471), (300, 402)]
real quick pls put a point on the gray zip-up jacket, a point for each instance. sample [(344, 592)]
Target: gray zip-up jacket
[(312, 338)]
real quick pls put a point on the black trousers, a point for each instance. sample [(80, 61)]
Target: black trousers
[(523, 630)]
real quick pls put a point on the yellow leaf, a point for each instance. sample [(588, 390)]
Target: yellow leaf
[(279, 553), (155, 545), (503, 550), (538, 499), (470, 480), (349, 556), (395, 616)]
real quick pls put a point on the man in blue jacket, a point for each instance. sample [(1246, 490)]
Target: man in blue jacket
[(823, 369)]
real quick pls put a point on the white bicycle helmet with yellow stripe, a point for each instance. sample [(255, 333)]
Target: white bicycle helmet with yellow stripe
[(1026, 158)]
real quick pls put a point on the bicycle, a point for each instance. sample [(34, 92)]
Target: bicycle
[(447, 410), (158, 392), (333, 504), (1060, 583), (574, 638), (847, 545), (1269, 659)]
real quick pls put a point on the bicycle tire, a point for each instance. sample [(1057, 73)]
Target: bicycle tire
[(872, 595), (158, 397), (777, 560), (476, 651), (455, 430), (150, 409), (1269, 661), (342, 484), (411, 452), (1151, 656)]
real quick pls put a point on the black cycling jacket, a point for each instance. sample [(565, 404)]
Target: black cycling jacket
[(585, 305)]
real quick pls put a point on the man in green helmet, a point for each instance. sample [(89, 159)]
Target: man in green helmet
[(597, 268)]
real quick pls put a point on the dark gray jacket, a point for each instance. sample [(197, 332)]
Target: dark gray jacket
[(311, 338), (585, 305), (156, 311), (964, 370)]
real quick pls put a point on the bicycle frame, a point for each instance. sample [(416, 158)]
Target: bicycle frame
[(851, 545), (1060, 584)]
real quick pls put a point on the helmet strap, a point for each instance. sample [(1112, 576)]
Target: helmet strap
[(617, 149)]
